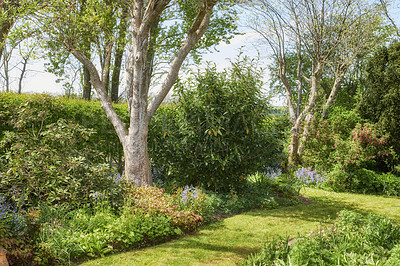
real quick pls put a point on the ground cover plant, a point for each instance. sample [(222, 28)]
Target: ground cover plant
[(354, 239)]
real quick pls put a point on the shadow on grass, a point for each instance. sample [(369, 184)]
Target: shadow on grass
[(319, 211), (197, 244)]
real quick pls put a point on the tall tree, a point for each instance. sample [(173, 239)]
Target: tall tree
[(66, 27), (327, 34)]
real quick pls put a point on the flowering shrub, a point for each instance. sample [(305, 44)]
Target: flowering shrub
[(347, 143), (149, 199)]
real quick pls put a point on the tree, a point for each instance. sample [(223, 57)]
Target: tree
[(325, 35), (66, 26), (380, 101)]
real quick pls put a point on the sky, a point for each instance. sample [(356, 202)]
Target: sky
[(37, 80)]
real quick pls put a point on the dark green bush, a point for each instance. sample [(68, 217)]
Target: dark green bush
[(363, 181), (218, 130), (390, 184), (380, 101), (15, 109)]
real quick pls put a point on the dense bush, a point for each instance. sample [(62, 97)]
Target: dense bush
[(344, 140), (363, 181), (353, 240), (45, 158), (217, 131), (15, 109), (380, 101)]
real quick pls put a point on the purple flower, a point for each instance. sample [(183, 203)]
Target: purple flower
[(117, 178)]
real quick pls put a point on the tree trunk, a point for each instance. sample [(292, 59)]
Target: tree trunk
[(134, 140), (21, 77), (294, 159), (119, 53), (87, 87), (137, 162)]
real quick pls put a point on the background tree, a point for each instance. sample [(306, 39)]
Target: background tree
[(330, 34), (380, 101), (67, 27)]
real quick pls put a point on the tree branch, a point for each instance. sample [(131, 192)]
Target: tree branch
[(195, 32), (105, 100)]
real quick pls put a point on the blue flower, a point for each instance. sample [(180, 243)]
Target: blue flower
[(117, 178)]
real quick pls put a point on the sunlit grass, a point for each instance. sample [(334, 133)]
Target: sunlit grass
[(230, 241)]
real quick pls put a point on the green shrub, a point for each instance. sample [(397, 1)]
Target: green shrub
[(365, 181), (217, 131), (153, 200), (70, 236), (390, 184), (338, 179), (381, 231), (88, 114), (52, 166), (45, 158), (353, 240)]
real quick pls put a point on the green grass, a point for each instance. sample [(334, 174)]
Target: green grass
[(230, 241)]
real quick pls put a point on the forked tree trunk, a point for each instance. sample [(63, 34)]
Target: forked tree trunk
[(134, 139)]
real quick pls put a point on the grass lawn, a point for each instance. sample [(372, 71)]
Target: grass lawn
[(230, 241)]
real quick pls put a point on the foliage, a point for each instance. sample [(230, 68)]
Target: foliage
[(218, 130), (46, 161), (338, 179), (379, 103), (353, 240), (87, 114), (344, 140), (10, 217), (394, 258), (153, 200), (363, 181), (86, 233)]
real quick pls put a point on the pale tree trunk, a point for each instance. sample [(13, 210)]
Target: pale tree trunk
[(134, 140), (334, 91), (306, 115)]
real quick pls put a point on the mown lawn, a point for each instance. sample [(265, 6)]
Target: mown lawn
[(230, 241)]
